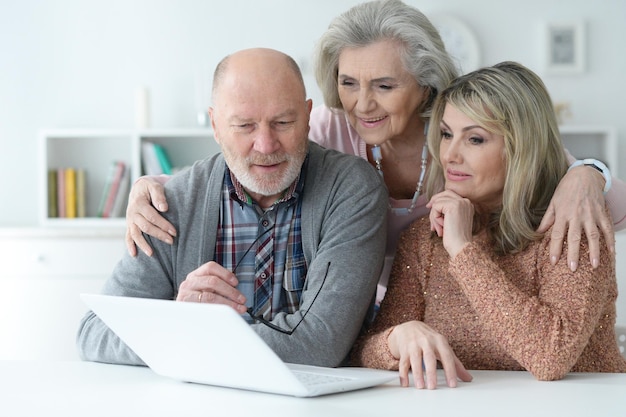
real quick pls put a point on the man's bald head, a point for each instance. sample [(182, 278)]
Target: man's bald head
[(259, 64), (260, 118)]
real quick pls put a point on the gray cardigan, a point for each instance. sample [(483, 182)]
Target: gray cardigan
[(344, 211)]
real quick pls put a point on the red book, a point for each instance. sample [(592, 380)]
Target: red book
[(115, 185)]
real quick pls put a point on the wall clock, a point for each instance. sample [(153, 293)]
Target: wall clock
[(460, 41)]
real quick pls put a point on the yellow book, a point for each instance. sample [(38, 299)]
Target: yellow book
[(70, 193)]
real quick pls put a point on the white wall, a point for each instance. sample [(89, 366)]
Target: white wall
[(76, 63)]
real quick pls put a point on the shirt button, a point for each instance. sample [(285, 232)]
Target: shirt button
[(265, 223), (263, 275)]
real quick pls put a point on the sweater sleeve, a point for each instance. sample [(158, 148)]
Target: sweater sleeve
[(404, 299), (545, 333)]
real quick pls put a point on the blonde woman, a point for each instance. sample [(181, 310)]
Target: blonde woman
[(472, 286)]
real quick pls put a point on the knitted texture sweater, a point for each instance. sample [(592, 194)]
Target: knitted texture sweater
[(512, 312)]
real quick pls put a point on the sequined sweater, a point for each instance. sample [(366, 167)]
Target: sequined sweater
[(513, 312)]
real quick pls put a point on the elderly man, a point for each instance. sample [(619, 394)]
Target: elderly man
[(289, 234)]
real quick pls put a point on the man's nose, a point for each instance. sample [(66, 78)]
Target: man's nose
[(266, 141)]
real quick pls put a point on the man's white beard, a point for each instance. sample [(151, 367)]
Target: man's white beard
[(266, 184)]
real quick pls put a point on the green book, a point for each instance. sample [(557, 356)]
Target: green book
[(166, 165)]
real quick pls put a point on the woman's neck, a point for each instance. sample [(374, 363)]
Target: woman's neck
[(401, 161)]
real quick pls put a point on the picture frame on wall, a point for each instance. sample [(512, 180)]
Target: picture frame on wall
[(565, 48)]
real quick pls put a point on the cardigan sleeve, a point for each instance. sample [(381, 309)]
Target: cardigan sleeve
[(545, 333)]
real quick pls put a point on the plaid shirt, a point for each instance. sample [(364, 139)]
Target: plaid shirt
[(243, 225)]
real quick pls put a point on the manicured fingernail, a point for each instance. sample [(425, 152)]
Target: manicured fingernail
[(594, 263), (573, 265), (553, 260)]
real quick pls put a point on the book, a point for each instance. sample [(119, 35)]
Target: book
[(81, 209), (104, 197), (164, 161), (52, 194), (70, 193), (61, 192), (116, 179), (121, 198), (105, 190), (151, 164)]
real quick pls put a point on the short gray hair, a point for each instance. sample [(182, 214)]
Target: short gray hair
[(423, 51)]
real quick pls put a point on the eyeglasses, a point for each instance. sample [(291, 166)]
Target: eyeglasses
[(271, 325), (260, 319)]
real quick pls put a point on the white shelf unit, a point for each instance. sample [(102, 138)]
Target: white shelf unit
[(599, 142), (94, 150), (44, 272)]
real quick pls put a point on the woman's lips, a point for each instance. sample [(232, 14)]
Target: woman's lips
[(372, 121), (454, 175)]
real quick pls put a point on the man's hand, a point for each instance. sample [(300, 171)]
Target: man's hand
[(212, 283)]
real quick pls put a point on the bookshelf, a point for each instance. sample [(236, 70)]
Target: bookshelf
[(94, 150), (599, 142)]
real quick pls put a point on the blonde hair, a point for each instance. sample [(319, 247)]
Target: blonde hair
[(422, 50), (510, 100)]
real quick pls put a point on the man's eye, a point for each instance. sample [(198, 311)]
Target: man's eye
[(284, 124), (243, 127)]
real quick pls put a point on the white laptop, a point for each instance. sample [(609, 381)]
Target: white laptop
[(212, 344)]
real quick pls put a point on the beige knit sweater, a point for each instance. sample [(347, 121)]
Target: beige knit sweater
[(511, 312)]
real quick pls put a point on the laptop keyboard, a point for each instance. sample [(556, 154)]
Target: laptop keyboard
[(309, 379)]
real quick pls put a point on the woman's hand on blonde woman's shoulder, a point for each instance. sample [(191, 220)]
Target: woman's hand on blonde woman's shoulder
[(145, 203), (578, 205)]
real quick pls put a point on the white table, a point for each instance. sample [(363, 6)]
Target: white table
[(73, 388)]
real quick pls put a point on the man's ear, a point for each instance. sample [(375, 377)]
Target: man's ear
[(213, 126)]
